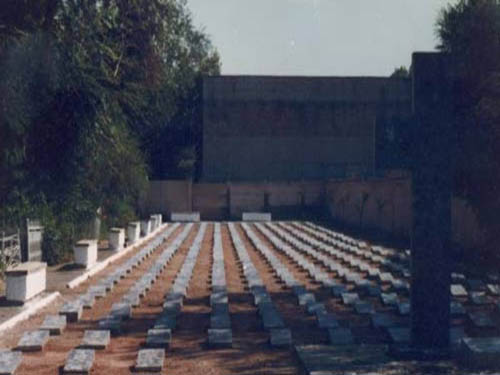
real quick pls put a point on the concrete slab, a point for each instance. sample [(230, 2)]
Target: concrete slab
[(457, 290), (150, 360), (481, 352), (327, 321), (55, 324), (340, 336), (95, 339), (33, 341), (159, 338), (218, 338), (9, 361), (79, 361), (72, 311), (280, 337)]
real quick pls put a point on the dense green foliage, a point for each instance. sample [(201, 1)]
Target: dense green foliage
[(470, 32), (92, 92)]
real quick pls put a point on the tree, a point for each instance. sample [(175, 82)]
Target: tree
[(470, 32), (401, 72), (88, 88)]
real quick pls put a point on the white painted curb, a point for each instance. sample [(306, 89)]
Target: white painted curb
[(29, 311), (103, 264)]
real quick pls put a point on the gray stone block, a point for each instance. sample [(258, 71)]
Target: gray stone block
[(458, 290), (55, 324), (457, 309), (121, 310), (111, 324), (327, 321), (390, 299), (33, 341), (150, 360), (363, 307), (280, 337), (383, 320), (340, 336), (399, 335), (349, 298), (95, 339), (220, 338), (9, 361), (481, 352), (72, 311), (481, 319), (159, 338), (479, 298), (79, 361), (306, 299)]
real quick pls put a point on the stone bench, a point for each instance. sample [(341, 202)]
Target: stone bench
[(25, 280), (85, 253), (256, 216), (117, 239), (185, 216), (133, 232)]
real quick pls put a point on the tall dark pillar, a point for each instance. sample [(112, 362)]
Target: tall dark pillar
[(432, 171)]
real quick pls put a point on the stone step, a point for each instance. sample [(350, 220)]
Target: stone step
[(79, 361), (33, 341)]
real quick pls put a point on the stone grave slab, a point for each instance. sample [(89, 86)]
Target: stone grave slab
[(315, 308), (389, 299), (150, 360), (98, 291), (121, 310), (256, 216), (166, 321), (364, 307), (399, 335), (55, 324), (493, 289), (185, 216), (72, 311), (87, 300), (93, 339), (457, 309), (220, 338), (305, 299), (383, 320), (280, 337), (220, 321), (479, 298), (403, 308), (79, 361), (159, 338), (340, 336), (481, 319), (349, 298), (481, 352), (456, 335), (476, 285), (457, 290), (271, 319), (327, 321), (373, 290), (33, 341), (111, 324), (9, 361)]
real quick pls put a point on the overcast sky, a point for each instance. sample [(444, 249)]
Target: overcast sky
[(317, 37)]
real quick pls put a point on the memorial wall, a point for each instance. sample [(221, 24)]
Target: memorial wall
[(264, 128)]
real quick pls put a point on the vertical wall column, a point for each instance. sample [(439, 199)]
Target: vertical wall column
[(432, 171)]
